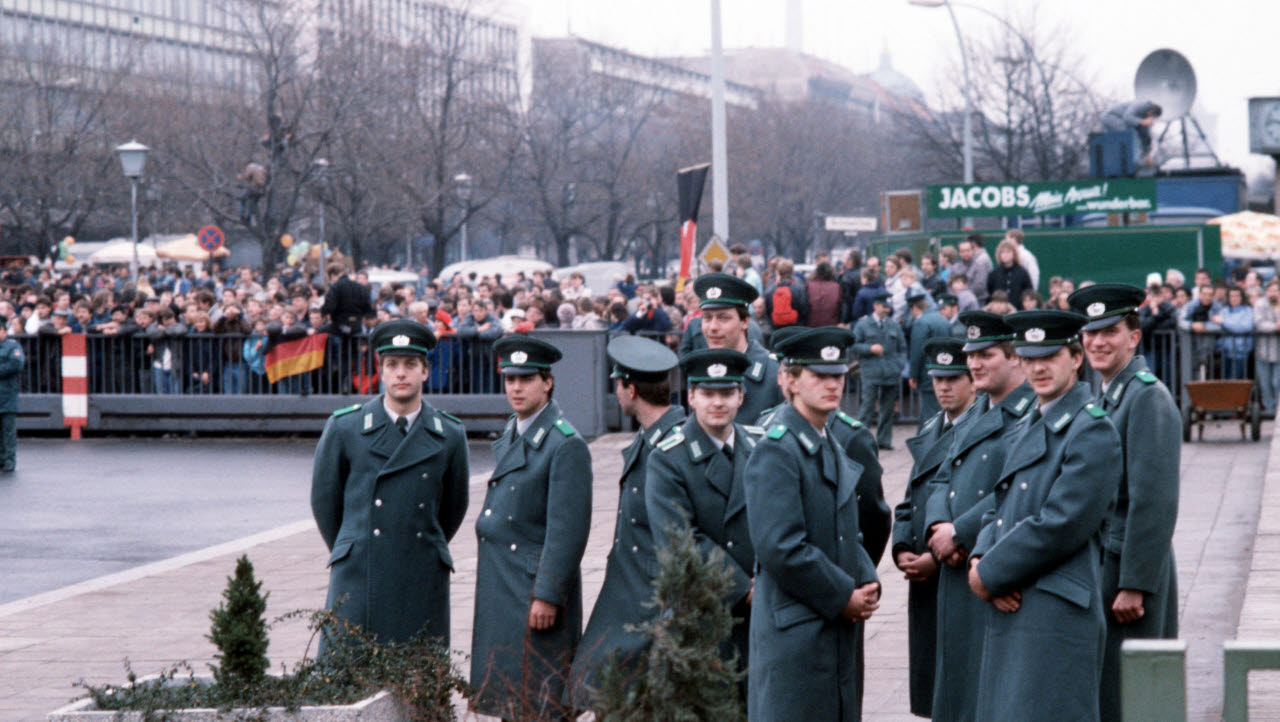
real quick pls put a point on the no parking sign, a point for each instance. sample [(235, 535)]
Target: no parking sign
[(210, 238)]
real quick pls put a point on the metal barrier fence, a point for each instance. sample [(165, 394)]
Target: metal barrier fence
[(222, 364)]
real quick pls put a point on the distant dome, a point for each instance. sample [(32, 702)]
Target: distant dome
[(893, 81)]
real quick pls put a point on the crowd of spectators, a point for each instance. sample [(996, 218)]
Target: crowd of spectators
[(194, 330)]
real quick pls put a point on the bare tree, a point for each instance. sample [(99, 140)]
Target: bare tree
[(455, 140), (1034, 107), (249, 160), (58, 128)]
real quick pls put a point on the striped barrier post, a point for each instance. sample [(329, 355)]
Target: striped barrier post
[(75, 383)]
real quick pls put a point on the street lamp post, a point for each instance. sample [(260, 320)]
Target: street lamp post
[(463, 182), (322, 170), (968, 83), (133, 159)]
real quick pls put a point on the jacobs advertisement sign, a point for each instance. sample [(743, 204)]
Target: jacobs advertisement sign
[(1113, 195)]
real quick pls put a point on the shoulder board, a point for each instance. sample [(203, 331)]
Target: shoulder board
[(848, 420), (1095, 411), (1146, 377), (347, 409), (449, 416), (757, 371), (753, 429), (929, 424), (564, 427), (671, 442), (778, 431)]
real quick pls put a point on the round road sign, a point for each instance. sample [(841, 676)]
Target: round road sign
[(209, 238)]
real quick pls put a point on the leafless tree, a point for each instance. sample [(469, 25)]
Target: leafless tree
[(1034, 106), (58, 126), (456, 142)]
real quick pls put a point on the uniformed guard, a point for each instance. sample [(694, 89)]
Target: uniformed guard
[(879, 343), (11, 365), (949, 309), (1036, 559), (388, 491), (641, 373), (815, 580), (859, 444), (696, 478), (944, 362), (532, 534), (725, 302), (961, 492), (928, 324), (1139, 577)]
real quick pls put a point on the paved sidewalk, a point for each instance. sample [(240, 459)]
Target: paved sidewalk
[(158, 614)]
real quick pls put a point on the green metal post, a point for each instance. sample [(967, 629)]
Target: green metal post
[(1153, 680), (1237, 659)]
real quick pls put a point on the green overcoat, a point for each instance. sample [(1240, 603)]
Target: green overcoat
[(387, 505), (629, 572), (11, 365), (801, 501), (532, 533), (884, 369), (874, 517), (928, 450), (759, 385), (691, 482), (1139, 542), (960, 493), (1044, 540)]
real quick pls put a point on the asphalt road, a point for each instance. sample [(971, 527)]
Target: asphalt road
[(76, 510)]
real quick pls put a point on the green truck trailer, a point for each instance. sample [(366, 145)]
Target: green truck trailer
[(1124, 254)]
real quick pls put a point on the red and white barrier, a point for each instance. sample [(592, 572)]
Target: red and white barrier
[(75, 383)]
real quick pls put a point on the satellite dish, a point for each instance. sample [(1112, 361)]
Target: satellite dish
[(1166, 78)]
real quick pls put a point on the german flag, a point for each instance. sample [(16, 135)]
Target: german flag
[(288, 355)]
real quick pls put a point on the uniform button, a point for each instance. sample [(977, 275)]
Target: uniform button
[(513, 547), (729, 544), (957, 462), (981, 492), (635, 548), (419, 535), (1023, 486), (915, 508), (617, 540), (999, 522), (984, 457), (635, 490), (633, 520), (425, 475), (482, 539), (509, 517), (857, 497), (377, 502), (488, 512), (422, 505), (377, 532), (952, 495), (841, 537)]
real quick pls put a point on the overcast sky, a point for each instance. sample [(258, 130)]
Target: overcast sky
[(1230, 43)]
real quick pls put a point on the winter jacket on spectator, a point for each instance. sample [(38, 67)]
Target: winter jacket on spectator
[(935, 284), (647, 319), (238, 325), (850, 283), (1013, 280), (865, 298), (1265, 320), (824, 302), (1196, 312), (347, 303), (976, 270), (1237, 324), (468, 328)]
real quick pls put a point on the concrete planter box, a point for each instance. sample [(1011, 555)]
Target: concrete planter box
[(381, 707)]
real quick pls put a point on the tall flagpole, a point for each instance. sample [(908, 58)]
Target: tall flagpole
[(719, 154)]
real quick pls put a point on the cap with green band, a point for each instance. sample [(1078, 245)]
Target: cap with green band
[(520, 355), (402, 337), (715, 367)]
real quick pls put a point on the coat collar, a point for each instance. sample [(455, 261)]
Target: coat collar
[(648, 438), (809, 438), (1031, 440), (512, 455), (401, 451), (1115, 391), (929, 448)]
